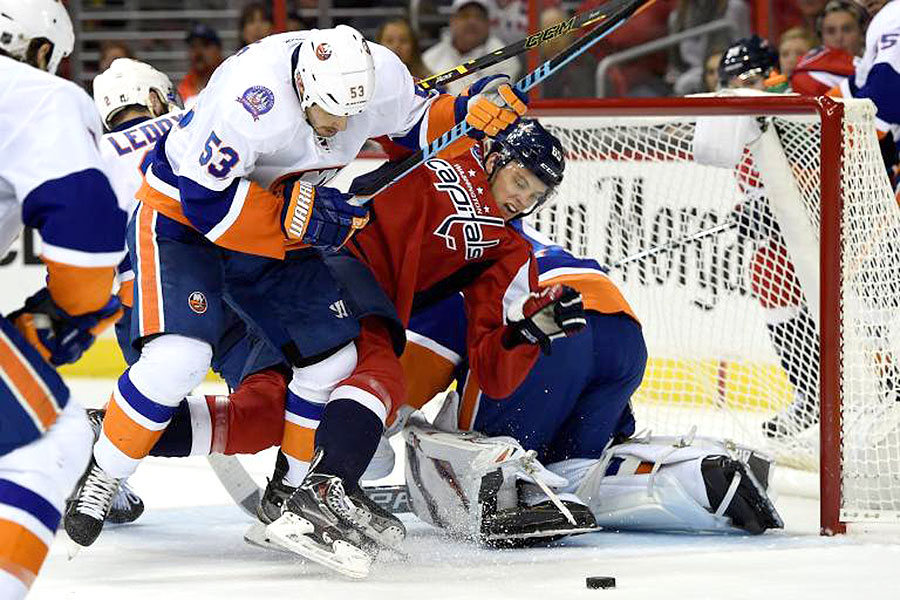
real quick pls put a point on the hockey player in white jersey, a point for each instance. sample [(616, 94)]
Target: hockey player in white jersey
[(216, 220), (877, 75), (52, 179)]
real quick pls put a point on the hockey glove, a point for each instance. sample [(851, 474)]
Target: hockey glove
[(540, 317), (320, 216), (60, 337), (490, 105)]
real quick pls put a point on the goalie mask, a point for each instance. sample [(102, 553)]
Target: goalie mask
[(536, 149), (336, 69), (24, 21), (129, 82)]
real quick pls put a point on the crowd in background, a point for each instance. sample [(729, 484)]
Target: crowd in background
[(830, 31)]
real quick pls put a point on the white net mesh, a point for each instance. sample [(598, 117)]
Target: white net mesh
[(723, 284)]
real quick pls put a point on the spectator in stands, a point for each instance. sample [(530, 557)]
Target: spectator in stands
[(509, 21), (686, 66), (204, 55), (255, 23), (809, 12), (841, 26), (294, 22), (578, 79), (872, 6), (711, 71), (398, 35), (468, 37), (792, 46), (644, 76), (110, 51)]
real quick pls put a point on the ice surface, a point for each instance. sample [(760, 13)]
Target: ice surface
[(188, 545)]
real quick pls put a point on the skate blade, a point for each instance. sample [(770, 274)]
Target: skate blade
[(292, 532), (72, 548), (541, 534), (256, 536)]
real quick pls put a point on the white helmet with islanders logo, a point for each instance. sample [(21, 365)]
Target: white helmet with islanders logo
[(128, 82), (336, 69), (23, 21)]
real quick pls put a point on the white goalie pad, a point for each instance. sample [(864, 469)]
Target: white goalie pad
[(658, 484), (448, 475)]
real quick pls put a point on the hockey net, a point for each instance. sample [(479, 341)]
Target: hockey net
[(740, 308)]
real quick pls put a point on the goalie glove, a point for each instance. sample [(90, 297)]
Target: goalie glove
[(490, 105), (322, 217), (540, 317), (58, 336)]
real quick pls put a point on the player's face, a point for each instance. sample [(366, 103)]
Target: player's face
[(841, 30), (516, 190), (324, 123)]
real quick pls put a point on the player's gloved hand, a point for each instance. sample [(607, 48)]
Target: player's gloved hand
[(490, 105), (540, 317), (320, 216), (60, 337)]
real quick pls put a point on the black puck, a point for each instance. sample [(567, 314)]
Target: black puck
[(600, 583)]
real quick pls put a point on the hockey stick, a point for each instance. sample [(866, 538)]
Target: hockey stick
[(618, 13), (532, 41), (672, 244), (246, 493)]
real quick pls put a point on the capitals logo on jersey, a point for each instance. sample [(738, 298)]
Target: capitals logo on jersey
[(470, 219)]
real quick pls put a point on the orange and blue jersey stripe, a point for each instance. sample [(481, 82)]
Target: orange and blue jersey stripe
[(32, 395), (134, 422), (28, 522), (301, 419)]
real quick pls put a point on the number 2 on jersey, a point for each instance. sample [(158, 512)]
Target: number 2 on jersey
[(228, 159)]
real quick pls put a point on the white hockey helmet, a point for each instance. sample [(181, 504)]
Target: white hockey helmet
[(337, 71), (22, 21), (128, 82)]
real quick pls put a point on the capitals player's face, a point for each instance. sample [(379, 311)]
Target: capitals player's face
[(516, 189), (324, 123)]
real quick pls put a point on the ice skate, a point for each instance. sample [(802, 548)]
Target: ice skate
[(127, 506), (90, 504), (316, 524), (375, 523)]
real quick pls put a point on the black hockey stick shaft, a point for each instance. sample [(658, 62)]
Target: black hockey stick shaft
[(619, 12), (534, 40)]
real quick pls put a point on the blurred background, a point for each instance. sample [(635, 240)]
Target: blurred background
[(671, 49)]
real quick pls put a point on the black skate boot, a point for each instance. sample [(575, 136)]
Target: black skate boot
[(127, 506), (89, 505), (376, 523), (316, 523)]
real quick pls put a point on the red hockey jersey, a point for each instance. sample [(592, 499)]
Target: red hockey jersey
[(820, 70), (439, 231)]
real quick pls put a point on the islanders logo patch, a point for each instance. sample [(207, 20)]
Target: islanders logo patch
[(257, 101), (197, 302), (323, 51)]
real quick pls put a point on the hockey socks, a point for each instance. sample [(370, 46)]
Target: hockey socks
[(347, 437)]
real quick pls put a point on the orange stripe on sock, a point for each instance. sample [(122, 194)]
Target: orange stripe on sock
[(132, 439), (299, 442), (148, 274), (21, 552), (22, 382)]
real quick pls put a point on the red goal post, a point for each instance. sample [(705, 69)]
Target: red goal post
[(844, 135)]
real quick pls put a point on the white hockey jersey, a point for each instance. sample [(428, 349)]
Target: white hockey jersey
[(125, 152), (52, 176), (247, 132), (877, 75)]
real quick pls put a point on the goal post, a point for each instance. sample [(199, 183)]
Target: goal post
[(722, 314)]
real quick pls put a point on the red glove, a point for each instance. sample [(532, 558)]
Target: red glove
[(553, 312)]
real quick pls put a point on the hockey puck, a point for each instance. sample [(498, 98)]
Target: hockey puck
[(600, 583)]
